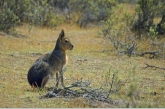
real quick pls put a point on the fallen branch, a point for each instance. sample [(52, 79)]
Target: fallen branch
[(147, 66), (151, 53), (82, 89)]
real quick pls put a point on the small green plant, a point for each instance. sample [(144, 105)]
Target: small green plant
[(152, 33), (112, 81), (132, 91)]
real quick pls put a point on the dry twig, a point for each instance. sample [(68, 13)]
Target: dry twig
[(151, 66), (82, 89)]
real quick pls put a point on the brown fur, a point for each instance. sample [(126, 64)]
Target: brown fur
[(46, 66)]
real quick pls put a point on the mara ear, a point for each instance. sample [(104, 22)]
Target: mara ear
[(62, 34)]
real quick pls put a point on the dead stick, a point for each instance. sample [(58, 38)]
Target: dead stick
[(153, 67)]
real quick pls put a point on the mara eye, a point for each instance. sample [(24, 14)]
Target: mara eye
[(66, 40)]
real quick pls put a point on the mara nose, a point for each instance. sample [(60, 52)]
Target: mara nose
[(71, 47)]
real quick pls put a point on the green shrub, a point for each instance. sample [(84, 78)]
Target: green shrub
[(53, 22), (91, 10), (8, 19), (36, 12), (146, 12), (42, 14), (118, 27)]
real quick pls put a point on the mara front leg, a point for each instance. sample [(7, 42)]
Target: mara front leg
[(61, 75)]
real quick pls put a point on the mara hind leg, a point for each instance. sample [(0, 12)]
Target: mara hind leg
[(57, 80), (44, 81)]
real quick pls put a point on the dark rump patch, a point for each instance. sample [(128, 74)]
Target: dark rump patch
[(35, 76)]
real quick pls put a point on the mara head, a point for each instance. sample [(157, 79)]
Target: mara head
[(63, 42)]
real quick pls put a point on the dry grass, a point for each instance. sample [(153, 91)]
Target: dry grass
[(91, 59)]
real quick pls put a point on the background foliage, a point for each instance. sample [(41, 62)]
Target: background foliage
[(146, 12), (36, 12), (52, 13)]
